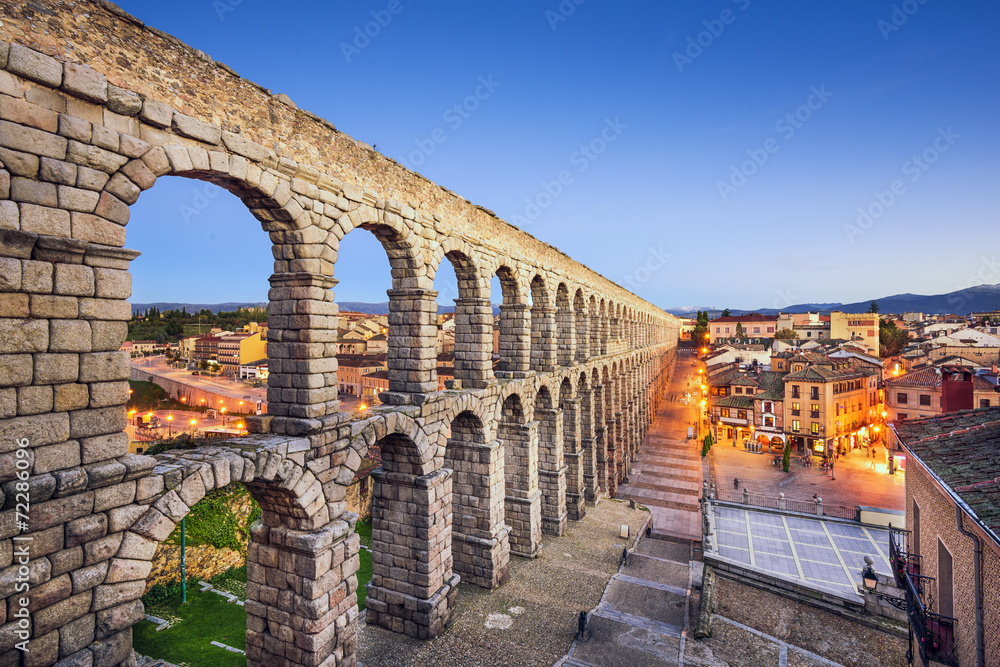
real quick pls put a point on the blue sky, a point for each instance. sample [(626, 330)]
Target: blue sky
[(753, 154)]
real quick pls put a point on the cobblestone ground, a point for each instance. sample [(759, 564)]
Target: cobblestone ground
[(803, 634), (531, 619)]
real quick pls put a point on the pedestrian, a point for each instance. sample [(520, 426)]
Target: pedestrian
[(736, 483), (581, 625)]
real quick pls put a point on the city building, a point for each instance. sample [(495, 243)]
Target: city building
[(933, 391), (255, 370), (949, 563), (831, 404), (861, 327), (235, 350), (769, 411), (351, 372), (752, 326)]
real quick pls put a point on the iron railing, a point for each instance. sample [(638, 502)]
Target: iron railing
[(934, 633), (786, 504)]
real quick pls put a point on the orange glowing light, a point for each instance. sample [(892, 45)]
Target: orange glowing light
[(193, 422), (184, 398), (362, 407), (170, 418)]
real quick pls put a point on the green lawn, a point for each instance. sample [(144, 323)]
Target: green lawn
[(206, 617)]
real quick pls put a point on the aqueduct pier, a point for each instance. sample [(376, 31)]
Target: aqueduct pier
[(95, 107)]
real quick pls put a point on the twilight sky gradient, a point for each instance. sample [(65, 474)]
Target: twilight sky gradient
[(868, 88)]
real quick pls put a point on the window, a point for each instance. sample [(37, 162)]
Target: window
[(925, 399), (724, 412), (795, 409), (718, 330), (739, 390), (770, 330), (795, 391), (901, 398), (742, 414), (768, 406), (814, 411), (946, 593), (795, 425), (756, 330), (984, 402), (749, 391), (768, 421), (815, 428), (814, 393), (901, 415)]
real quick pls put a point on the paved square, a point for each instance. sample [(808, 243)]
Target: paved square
[(822, 553)]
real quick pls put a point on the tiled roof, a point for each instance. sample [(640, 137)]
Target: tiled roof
[(772, 386), (962, 449), (744, 381), (931, 377), (753, 317), (741, 402), (825, 374)]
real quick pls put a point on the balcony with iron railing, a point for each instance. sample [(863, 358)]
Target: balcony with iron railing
[(933, 633)]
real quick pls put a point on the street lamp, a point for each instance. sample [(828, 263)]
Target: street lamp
[(170, 423), (868, 575)]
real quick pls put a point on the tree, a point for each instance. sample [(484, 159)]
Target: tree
[(891, 338), (785, 334), (726, 313), (739, 331), (786, 457), (873, 308)]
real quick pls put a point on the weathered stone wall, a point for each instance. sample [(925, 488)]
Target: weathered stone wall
[(94, 108)]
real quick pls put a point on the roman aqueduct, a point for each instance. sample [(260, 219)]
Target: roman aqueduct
[(94, 108)]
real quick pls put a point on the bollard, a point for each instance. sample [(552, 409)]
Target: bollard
[(781, 501), (746, 496), (819, 506)]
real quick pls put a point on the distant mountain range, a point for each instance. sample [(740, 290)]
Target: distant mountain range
[(356, 306), (960, 302)]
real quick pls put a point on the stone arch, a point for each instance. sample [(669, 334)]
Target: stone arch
[(413, 586), (515, 325), (480, 546), (295, 524), (594, 324), (565, 320), (522, 504), (543, 327), (587, 419), (569, 405), (412, 300), (473, 315), (582, 324), (551, 465)]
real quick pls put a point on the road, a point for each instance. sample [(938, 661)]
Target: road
[(224, 386)]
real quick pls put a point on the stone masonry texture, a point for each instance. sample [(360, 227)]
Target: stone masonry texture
[(90, 117)]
